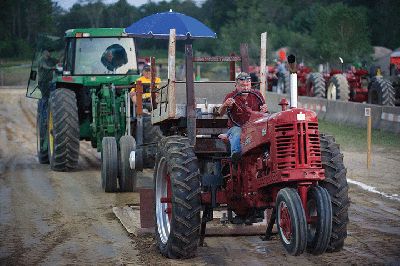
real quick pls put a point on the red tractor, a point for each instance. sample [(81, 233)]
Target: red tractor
[(356, 85), (287, 166)]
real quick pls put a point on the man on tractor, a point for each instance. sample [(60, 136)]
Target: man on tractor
[(145, 78), (239, 103), (46, 66)]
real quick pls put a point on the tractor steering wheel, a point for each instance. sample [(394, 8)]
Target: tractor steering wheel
[(229, 112)]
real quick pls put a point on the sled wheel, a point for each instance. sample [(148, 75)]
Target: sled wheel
[(291, 221), (127, 176), (177, 198), (109, 164), (319, 213)]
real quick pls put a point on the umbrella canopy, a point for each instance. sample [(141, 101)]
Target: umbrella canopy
[(158, 26)]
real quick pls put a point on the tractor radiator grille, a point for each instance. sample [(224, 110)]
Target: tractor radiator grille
[(297, 145), (285, 146), (314, 152)]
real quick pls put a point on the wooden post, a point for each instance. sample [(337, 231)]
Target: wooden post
[(171, 73), (244, 54), (152, 83), (263, 65), (232, 69), (139, 100), (369, 135)]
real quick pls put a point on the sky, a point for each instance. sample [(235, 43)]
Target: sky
[(67, 4)]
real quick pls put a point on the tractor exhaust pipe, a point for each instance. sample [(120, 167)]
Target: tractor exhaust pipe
[(293, 81)]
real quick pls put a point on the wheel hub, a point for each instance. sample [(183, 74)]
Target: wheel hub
[(285, 223), (163, 200)]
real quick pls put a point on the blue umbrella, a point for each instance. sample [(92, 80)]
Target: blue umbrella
[(158, 26)]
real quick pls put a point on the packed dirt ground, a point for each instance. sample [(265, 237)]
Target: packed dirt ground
[(64, 218)]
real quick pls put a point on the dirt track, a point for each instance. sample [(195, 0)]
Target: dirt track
[(65, 218)]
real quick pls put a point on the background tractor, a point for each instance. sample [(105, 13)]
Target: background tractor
[(89, 100), (287, 165), (394, 71)]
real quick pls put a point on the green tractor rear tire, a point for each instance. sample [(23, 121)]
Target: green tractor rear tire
[(41, 133), (63, 130), (127, 176)]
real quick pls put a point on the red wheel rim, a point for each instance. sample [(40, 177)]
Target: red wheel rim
[(285, 222), (168, 199)]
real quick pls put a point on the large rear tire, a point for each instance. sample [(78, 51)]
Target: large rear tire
[(316, 85), (319, 229), (63, 130), (291, 221), (338, 88), (42, 140), (335, 183), (127, 176), (177, 198), (381, 91), (109, 164)]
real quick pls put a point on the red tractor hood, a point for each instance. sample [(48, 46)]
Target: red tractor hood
[(261, 127)]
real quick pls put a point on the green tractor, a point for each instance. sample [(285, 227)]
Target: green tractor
[(89, 100)]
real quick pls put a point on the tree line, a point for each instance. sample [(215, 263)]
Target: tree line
[(314, 30)]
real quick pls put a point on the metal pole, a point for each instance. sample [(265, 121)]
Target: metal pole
[(369, 136), (190, 100), (171, 73), (263, 65), (293, 81)]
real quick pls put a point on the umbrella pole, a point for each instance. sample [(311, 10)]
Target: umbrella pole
[(190, 100)]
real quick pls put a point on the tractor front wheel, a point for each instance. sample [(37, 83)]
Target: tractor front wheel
[(127, 177), (319, 210), (109, 164), (177, 198), (291, 221), (63, 130)]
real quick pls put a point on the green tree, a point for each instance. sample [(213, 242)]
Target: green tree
[(341, 31)]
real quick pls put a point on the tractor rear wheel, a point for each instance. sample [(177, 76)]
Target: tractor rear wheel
[(152, 135), (338, 88), (319, 229), (177, 198), (63, 130), (41, 132), (381, 91), (291, 221), (335, 183), (109, 164), (127, 176), (316, 85)]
